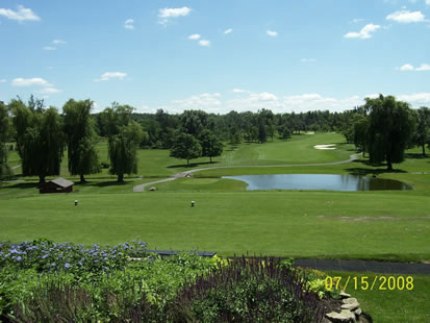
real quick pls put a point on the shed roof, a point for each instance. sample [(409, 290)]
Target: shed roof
[(62, 182)]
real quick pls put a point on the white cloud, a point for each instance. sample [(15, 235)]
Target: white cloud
[(204, 43), (22, 14), (112, 76), (357, 20), (229, 30), (308, 60), (210, 102), (194, 37), (50, 48), (415, 99), (25, 82), (166, 14), (49, 90), (55, 44), (44, 86), (244, 100), (263, 97), (59, 42), (410, 68), (364, 33), (405, 16), (423, 67), (428, 2), (238, 91), (271, 33), (129, 24)]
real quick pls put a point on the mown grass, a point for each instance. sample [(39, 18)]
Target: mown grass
[(229, 220), (396, 305), (303, 224)]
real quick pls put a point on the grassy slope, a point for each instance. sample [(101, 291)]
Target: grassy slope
[(229, 220), (274, 223)]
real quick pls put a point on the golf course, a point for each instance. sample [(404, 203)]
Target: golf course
[(384, 225)]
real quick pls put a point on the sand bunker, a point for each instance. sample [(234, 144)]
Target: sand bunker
[(326, 147)]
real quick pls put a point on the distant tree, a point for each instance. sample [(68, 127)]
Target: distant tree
[(124, 136), (123, 150), (39, 137), (185, 146), (193, 122), (390, 129), (4, 130), (422, 133), (361, 133), (211, 145), (80, 133)]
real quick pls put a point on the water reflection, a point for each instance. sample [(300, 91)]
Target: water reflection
[(331, 182)]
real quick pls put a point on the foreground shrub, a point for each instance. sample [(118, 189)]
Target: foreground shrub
[(250, 290)]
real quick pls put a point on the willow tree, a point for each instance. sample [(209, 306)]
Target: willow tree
[(4, 129), (123, 150), (81, 138), (124, 136), (39, 138), (390, 129)]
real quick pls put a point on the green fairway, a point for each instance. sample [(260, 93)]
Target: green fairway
[(229, 220), (357, 225)]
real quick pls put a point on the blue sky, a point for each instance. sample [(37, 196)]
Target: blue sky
[(217, 56)]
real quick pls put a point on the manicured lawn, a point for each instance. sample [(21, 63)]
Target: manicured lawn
[(357, 225), (229, 220), (388, 306)]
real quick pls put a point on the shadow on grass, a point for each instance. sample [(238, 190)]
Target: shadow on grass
[(25, 185), (191, 165), (352, 149), (102, 184), (370, 170), (416, 156)]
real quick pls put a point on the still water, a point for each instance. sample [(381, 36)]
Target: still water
[(331, 182)]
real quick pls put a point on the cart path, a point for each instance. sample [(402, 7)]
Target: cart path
[(141, 187)]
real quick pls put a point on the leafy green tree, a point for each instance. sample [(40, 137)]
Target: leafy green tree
[(79, 129), (390, 129), (422, 133), (40, 139), (211, 145), (194, 122), (124, 137), (361, 133), (4, 130), (123, 150), (185, 146)]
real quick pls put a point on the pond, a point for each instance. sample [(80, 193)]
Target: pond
[(331, 182)]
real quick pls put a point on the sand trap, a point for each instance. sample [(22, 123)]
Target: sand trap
[(326, 147)]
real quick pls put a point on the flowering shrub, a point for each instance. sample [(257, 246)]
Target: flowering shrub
[(48, 256)]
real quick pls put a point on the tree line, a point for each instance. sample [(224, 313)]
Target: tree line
[(383, 128)]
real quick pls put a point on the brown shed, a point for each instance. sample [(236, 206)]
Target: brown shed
[(57, 185)]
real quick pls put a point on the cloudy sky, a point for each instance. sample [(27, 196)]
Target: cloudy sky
[(285, 55)]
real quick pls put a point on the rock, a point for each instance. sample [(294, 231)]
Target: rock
[(343, 295), (345, 316), (358, 311), (350, 304), (152, 188)]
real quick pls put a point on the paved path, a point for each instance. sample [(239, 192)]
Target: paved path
[(141, 187)]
